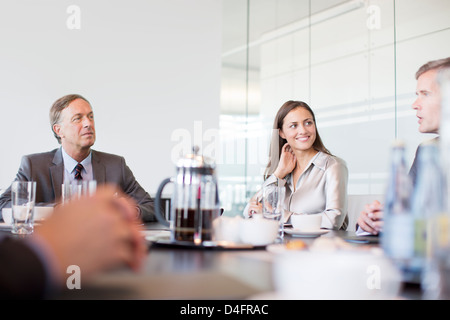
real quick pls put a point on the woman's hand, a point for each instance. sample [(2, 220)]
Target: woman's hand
[(287, 162), (255, 207)]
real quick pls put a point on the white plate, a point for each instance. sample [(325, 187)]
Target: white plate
[(276, 248), (281, 248), (298, 233), (155, 235), (5, 226), (40, 214)]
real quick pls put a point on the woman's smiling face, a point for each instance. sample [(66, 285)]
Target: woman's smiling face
[(299, 129)]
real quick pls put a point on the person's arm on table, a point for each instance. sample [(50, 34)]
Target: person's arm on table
[(96, 234)]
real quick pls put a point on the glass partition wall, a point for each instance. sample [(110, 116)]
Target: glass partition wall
[(352, 61)]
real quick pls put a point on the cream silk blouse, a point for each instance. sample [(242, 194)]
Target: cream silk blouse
[(321, 189)]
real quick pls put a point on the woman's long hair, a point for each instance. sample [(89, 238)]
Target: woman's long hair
[(278, 142)]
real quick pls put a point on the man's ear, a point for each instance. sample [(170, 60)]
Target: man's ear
[(57, 129)]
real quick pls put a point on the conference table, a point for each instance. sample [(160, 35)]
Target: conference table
[(189, 273)]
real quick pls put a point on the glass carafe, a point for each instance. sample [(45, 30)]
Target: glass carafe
[(194, 203)]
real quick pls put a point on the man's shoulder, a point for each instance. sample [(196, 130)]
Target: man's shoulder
[(105, 156), (42, 155)]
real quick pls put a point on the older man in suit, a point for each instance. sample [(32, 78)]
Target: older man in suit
[(72, 121)]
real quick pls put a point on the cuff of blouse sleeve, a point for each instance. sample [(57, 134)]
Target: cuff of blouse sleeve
[(274, 179), (360, 232), (245, 211)]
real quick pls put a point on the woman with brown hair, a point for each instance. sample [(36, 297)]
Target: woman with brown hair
[(315, 180)]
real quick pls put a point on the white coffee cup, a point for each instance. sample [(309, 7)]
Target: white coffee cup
[(258, 231), (7, 215), (227, 228), (306, 222)]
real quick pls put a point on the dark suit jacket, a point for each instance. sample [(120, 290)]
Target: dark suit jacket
[(47, 169), (414, 167), (22, 273)]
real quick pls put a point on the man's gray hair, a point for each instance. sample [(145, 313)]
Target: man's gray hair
[(433, 65)]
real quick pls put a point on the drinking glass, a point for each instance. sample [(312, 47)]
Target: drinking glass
[(76, 189), (273, 205), (23, 196)]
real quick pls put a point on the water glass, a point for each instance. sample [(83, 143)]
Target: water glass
[(23, 196), (273, 205), (77, 189)]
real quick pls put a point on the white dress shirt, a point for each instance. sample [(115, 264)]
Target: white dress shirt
[(70, 164)]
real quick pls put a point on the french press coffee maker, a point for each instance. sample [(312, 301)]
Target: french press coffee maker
[(194, 202)]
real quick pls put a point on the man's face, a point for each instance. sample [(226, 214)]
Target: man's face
[(428, 102), (76, 128)]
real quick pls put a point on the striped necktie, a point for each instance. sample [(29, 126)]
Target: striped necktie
[(78, 169)]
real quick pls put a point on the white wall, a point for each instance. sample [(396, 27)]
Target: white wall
[(150, 69)]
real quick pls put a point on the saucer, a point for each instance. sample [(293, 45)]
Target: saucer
[(309, 234), (5, 226), (283, 248), (205, 245)]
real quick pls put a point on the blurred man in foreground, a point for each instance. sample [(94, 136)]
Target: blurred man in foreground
[(95, 233)]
